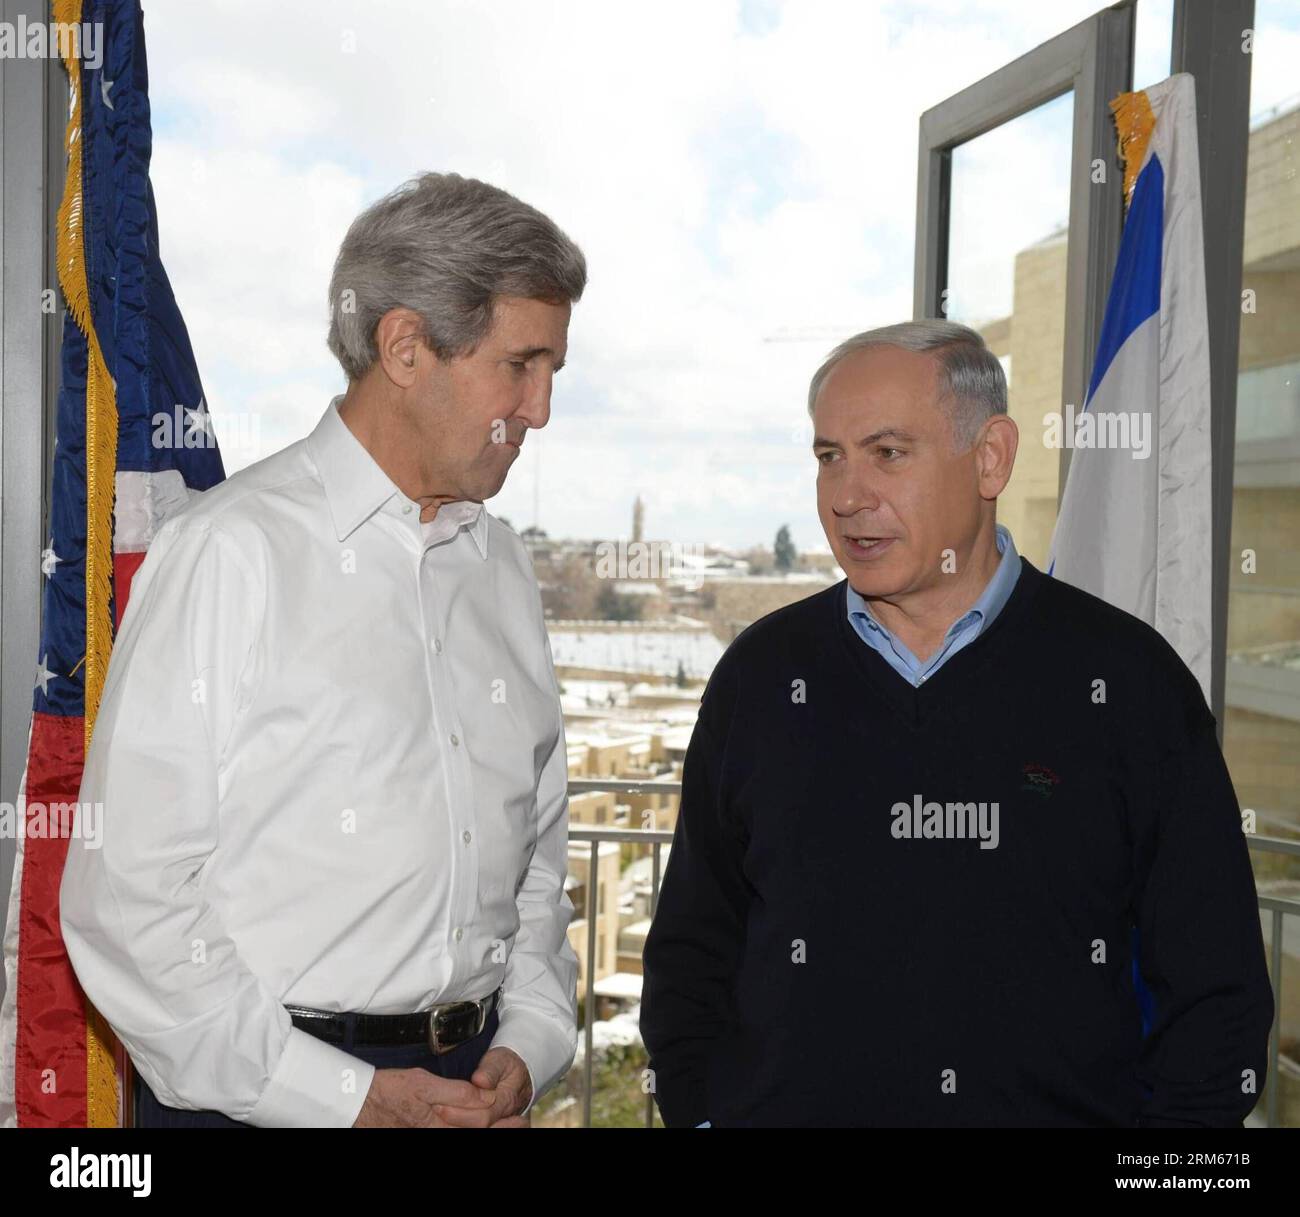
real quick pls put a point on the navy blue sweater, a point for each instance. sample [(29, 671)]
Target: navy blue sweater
[(899, 906)]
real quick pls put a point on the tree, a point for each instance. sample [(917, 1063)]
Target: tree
[(610, 606), (783, 549), (569, 588)]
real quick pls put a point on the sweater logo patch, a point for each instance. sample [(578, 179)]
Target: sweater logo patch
[(1040, 779)]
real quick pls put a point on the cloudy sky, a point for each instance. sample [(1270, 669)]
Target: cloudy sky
[(741, 175)]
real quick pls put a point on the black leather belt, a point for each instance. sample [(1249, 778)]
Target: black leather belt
[(442, 1027)]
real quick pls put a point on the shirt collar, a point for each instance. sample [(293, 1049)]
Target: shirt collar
[(992, 599), (356, 487), (463, 513)]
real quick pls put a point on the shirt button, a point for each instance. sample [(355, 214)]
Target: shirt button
[(406, 511), (459, 934), (437, 646), (455, 739), (466, 837)]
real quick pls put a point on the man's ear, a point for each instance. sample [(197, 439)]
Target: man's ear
[(399, 340), (995, 454)]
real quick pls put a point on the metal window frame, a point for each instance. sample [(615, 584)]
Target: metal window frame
[(1094, 59), (1207, 42), (33, 115)]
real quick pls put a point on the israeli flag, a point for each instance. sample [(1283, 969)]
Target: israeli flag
[(1134, 523)]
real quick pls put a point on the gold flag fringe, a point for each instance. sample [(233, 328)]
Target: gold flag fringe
[(1134, 123), (102, 1095)]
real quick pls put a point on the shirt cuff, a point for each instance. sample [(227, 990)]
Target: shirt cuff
[(313, 1085), (545, 1053), (532, 1089), (706, 1124)]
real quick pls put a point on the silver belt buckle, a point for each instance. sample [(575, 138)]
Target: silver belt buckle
[(445, 1020)]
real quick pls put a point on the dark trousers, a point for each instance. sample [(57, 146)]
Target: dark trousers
[(459, 1063)]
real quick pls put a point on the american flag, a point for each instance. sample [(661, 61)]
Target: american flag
[(134, 442)]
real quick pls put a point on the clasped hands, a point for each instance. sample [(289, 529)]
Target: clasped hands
[(415, 1098)]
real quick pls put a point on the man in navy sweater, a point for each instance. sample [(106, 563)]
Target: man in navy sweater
[(957, 845)]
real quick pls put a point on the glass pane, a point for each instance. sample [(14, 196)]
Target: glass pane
[(1153, 37), (1006, 277), (1262, 703)]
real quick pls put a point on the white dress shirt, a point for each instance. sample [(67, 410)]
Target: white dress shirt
[(332, 765)]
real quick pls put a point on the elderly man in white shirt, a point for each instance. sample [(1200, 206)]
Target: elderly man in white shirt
[(330, 751)]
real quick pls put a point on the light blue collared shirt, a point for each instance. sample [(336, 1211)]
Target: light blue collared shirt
[(961, 633)]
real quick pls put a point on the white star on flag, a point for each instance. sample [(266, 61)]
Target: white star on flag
[(44, 676), (199, 419), (104, 85)]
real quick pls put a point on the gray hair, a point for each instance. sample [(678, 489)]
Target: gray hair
[(445, 247), (972, 383)]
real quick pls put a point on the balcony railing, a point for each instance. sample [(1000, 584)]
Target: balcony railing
[(596, 835), (656, 839), (1279, 907)]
